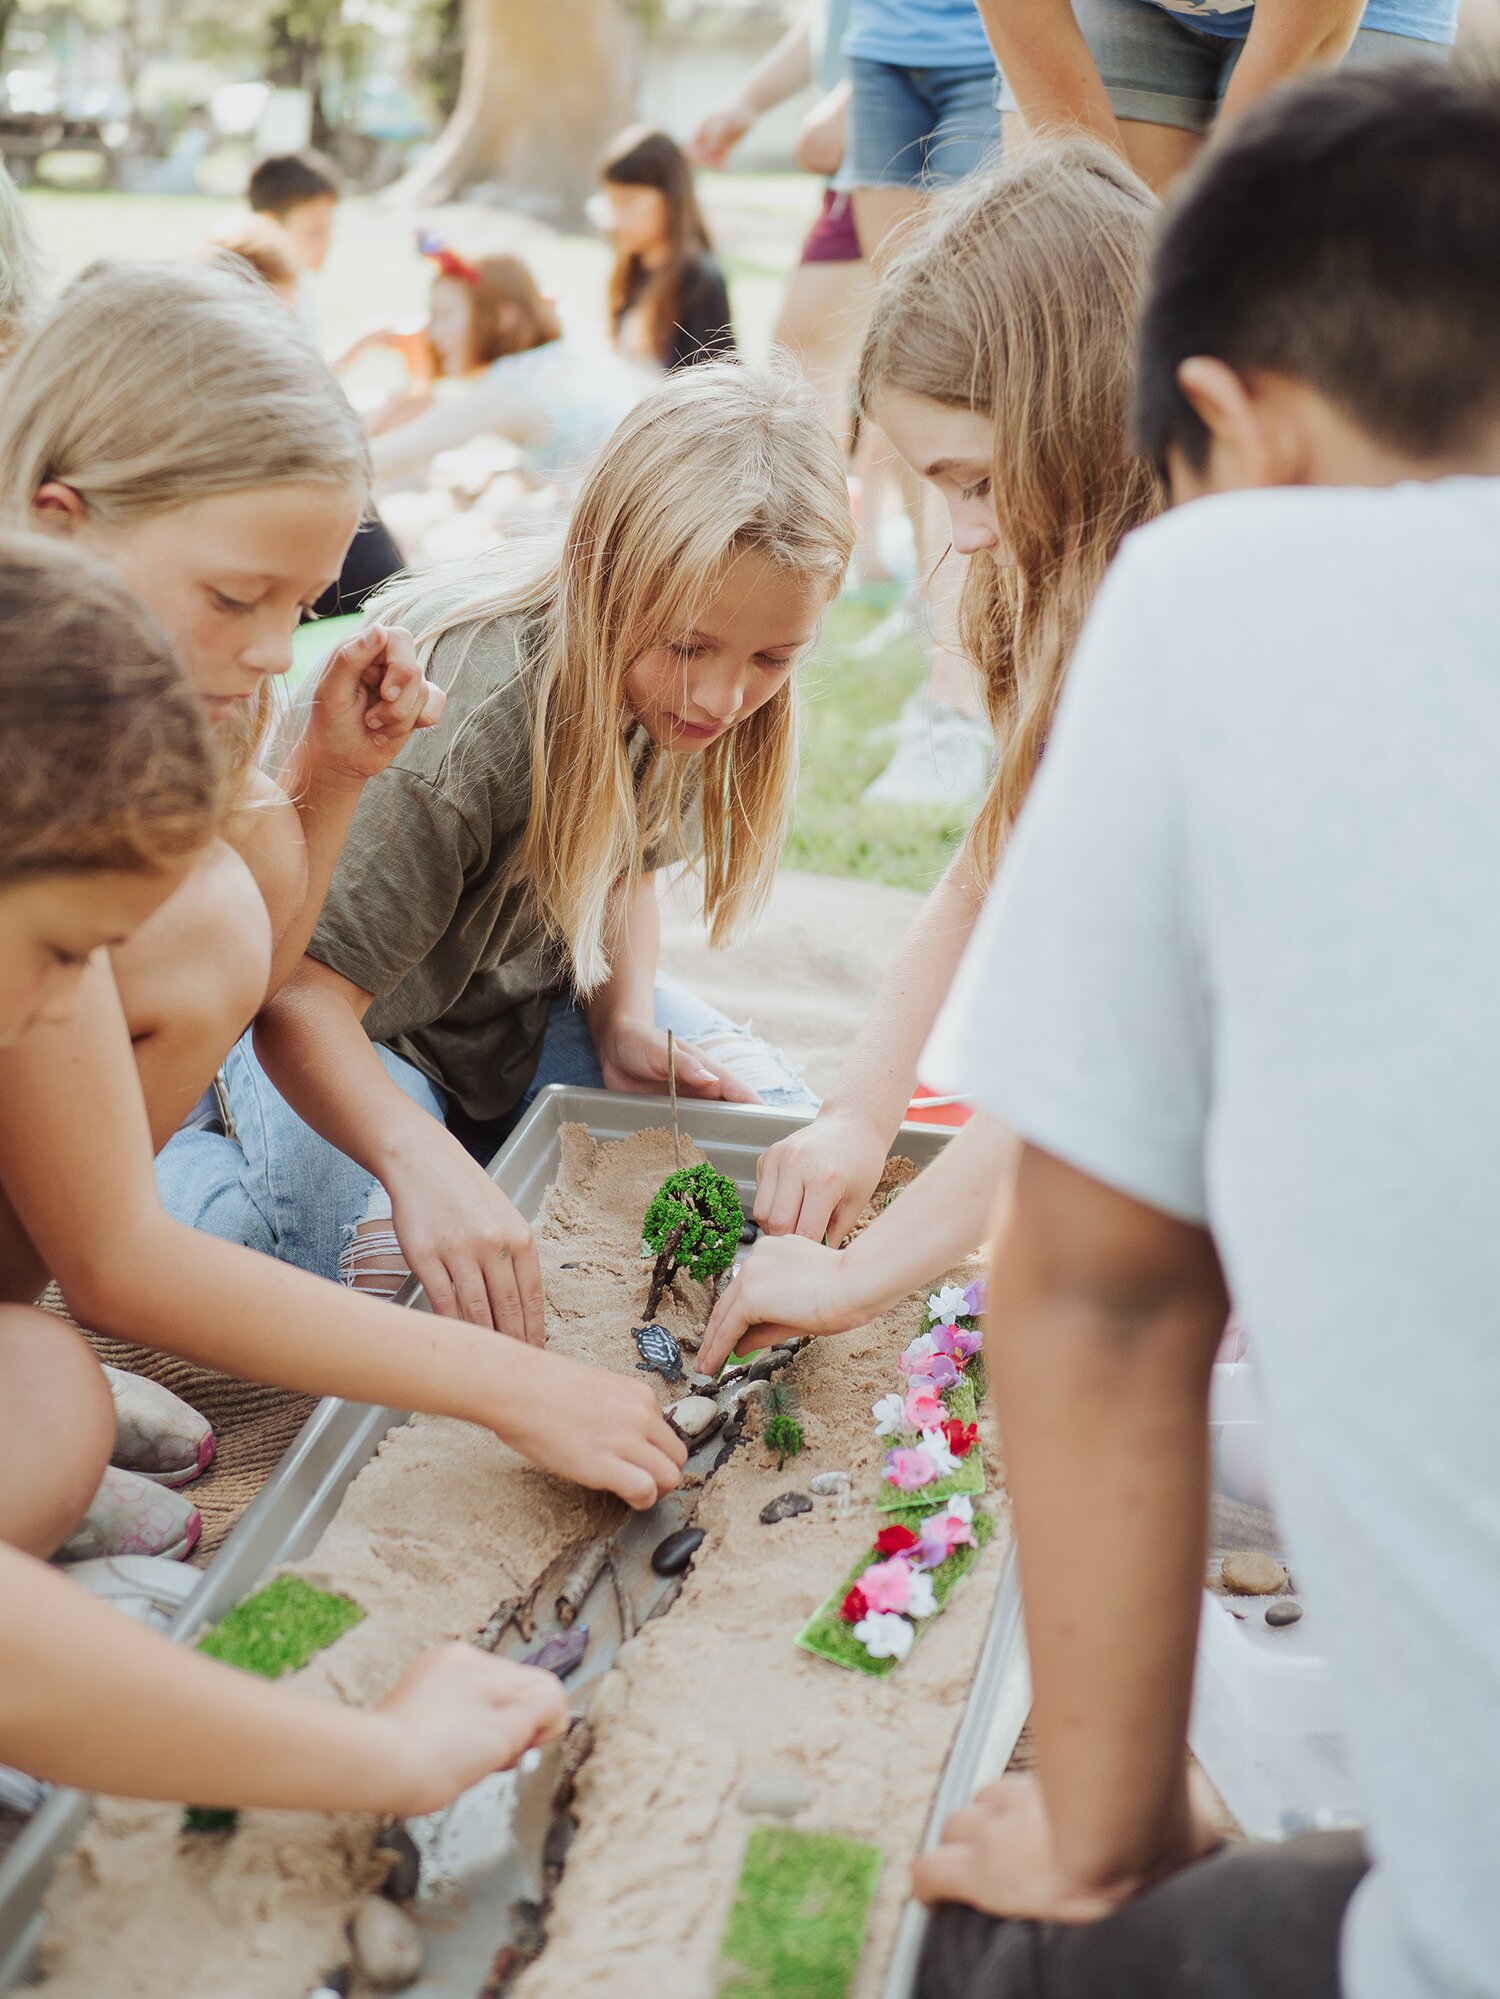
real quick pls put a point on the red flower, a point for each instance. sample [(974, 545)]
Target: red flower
[(895, 1540), (854, 1607), (962, 1437)]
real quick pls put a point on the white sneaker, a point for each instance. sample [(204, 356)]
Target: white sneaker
[(942, 758), (149, 1588)]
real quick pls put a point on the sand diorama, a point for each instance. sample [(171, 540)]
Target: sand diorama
[(766, 1673)]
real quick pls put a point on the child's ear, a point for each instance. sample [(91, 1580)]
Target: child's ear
[(58, 509), (1247, 441)]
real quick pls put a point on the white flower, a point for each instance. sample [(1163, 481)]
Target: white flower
[(885, 1634), (961, 1508), (921, 1602), (948, 1304), (890, 1415), (921, 1346), (935, 1444)]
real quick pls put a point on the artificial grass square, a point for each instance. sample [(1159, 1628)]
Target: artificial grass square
[(280, 1628), (967, 1482), (832, 1637), (797, 1924)]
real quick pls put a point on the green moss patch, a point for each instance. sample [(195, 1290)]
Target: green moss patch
[(280, 1628), (797, 1924), (832, 1637), (967, 1482)]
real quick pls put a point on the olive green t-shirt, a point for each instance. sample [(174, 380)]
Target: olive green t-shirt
[(420, 913)]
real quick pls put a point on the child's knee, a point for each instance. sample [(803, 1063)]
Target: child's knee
[(60, 1419)]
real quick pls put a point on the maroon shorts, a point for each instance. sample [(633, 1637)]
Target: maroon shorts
[(833, 238)]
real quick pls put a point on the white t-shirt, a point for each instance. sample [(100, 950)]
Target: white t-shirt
[(1243, 962)]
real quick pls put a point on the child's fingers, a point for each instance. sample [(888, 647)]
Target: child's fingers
[(945, 1874), (703, 1076)]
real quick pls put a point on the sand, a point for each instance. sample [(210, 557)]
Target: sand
[(442, 1525)]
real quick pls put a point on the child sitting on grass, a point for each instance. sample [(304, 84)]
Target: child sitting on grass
[(1236, 990), (109, 790), (668, 302), (300, 192)]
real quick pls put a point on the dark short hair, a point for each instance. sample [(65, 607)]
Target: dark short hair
[(1344, 233), (285, 180)]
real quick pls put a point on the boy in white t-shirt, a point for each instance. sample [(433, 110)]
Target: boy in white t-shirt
[(1237, 990)]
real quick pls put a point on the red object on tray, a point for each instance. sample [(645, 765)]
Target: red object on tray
[(943, 1109)]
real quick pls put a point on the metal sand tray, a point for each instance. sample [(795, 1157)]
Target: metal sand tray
[(495, 1864)]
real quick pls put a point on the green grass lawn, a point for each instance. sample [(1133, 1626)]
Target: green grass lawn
[(375, 273)]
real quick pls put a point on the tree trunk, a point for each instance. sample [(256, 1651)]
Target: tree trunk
[(543, 90)]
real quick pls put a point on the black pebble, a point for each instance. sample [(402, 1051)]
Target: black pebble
[(761, 1370), (559, 1839), (338, 1980), (673, 1555), (1285, 1612), (750, 1233), (786, 1507), (406, 1870)]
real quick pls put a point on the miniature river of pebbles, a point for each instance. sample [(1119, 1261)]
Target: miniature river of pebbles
[(443, 1524)]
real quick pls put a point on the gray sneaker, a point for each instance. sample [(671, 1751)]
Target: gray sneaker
[(942, 758)]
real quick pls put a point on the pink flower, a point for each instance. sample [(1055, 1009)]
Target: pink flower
[(908, 1470), (943, 1533), (923, 1406), (887, 1585), (936, 1369), (958, 1343), (974, 1299)]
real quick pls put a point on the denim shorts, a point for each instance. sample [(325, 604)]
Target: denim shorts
[(1161, 70), (918, 127)]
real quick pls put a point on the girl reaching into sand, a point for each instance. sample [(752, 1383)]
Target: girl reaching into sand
[(619, 702), (998, 363), (109, 792), (226, 511)]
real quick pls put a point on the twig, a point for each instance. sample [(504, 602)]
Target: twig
[(672, 1088), (665, 1270), (580, 1581)]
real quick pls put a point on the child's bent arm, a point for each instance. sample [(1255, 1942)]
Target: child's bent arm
[(1050, 70), (790, 1285), (1103, 1320), (816, 1182), (90, 1698), (462, 1238), (75, 1162), (486, 406), (1286, 37)]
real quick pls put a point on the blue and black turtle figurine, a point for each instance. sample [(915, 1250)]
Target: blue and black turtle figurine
[(660, 1353)]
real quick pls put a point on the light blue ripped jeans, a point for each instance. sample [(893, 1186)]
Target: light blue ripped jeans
[(277, 1186)]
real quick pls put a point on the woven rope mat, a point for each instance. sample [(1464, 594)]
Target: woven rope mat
[(254, 1425)]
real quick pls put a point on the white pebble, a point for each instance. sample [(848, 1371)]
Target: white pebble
[(387, 1944), (826, 1483), (693, 1415)]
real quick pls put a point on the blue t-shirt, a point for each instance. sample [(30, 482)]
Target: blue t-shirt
[(918, 34), (1423, 20)]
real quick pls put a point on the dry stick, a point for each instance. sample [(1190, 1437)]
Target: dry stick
[(581, 1580), (672, 1088)]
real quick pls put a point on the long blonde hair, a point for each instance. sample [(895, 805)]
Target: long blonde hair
[(719, 461), (20, 269), (1016, 297), (150, 386)]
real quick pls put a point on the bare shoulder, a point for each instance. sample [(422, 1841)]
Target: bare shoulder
[(211, 936)]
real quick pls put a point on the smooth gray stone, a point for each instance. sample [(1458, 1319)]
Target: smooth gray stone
[(1285, 1612), (779, 1794), (785, 1507)]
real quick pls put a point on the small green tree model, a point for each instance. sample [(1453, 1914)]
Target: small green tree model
[(693, 1224), (784, 1437)]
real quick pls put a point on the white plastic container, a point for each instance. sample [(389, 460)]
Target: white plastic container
[(1265, 1720)]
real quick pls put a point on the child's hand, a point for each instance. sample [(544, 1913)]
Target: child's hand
[(371, 696), (469, 1247), (591, 1426), (816, 1182), (633, 1056), (458, 1715), (786, 1286), (719, 134), (997, 1855)]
